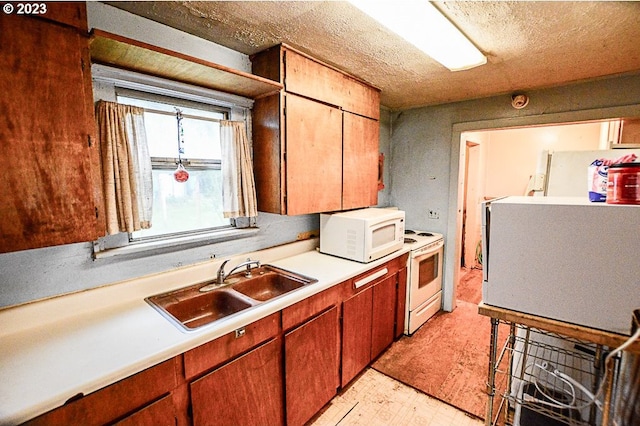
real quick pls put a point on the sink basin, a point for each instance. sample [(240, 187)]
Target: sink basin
[(192, 308), (268, 282), (201, 304)]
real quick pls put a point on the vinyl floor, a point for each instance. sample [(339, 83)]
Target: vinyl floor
[(375, 399)]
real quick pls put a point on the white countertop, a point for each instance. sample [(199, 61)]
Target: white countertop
[(79, 343)]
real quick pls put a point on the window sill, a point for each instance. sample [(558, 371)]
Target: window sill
[(172, 244)]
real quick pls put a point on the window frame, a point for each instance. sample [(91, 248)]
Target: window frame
[(170, 163), (120, 82)]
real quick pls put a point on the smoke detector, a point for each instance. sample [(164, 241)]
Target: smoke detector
[(519, 101)]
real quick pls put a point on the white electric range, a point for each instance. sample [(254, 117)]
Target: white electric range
[(424, 277)]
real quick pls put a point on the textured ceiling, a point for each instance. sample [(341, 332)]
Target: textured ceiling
[(529, 44)]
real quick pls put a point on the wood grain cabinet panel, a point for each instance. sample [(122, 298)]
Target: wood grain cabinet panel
[(360, 161), (383, 315), (50, 192), (211, 354), (131, 397), (314, 156), (159, 413), (246, 391), (372, 317), (73, 14), (402, 301), (304, 161), (311, 366), (356, 334)]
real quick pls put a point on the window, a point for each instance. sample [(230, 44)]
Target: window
[(190, 207)]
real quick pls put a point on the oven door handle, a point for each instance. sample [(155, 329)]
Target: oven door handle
[(366, 280)]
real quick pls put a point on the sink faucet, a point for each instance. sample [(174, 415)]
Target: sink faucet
[(222, 276)]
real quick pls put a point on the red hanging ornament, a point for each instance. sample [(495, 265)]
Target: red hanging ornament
[(181, 174)]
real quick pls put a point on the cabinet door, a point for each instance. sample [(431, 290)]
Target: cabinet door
[(356, 334), (311, 78), (311, 366), (246, 391), (159, 413), (360, 161), (383, 315), (313, 156), (48, 191)]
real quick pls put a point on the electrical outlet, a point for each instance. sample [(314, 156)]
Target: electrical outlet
[(433, 214)]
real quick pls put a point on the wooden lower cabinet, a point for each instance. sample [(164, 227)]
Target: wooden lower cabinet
[(246, 391), (281, 369), (146, 395), (383, 315), (311, 366), (159, 413), (370, 320), (356, 334)]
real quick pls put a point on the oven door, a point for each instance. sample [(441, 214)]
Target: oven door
[(426, 275)]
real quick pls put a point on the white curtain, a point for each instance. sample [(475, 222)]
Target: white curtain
[(238, 188), (126, 167)]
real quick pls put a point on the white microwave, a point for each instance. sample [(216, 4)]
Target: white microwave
[(362, 235)]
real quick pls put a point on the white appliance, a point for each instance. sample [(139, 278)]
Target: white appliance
[(564, 173), (564, 258), (362, 235), (424, 277)]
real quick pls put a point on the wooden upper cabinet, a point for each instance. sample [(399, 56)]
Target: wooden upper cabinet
[(50, 192), (360, 161), (73, 14), (314, 156), (316, 144), (309, 77)]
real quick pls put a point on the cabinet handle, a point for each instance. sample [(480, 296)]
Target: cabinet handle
[(240, 332), (369, 278)]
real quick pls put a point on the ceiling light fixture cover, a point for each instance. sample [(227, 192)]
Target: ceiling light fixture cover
[(421, 24)]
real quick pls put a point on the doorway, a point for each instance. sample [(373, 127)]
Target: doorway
[(503, 162), (470, 211)]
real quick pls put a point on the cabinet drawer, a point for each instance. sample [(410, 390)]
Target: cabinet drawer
[(222, 349), (114, 401), (373, 276), (307, 308)]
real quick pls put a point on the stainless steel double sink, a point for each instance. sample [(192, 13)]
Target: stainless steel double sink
[(197, 305)]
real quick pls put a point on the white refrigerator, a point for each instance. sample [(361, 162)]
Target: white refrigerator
[(564, 173), (563, 258)]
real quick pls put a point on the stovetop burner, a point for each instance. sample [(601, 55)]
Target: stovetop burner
[(417, 239)]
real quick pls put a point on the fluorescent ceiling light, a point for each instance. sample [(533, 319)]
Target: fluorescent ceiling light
[(421, 24)]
